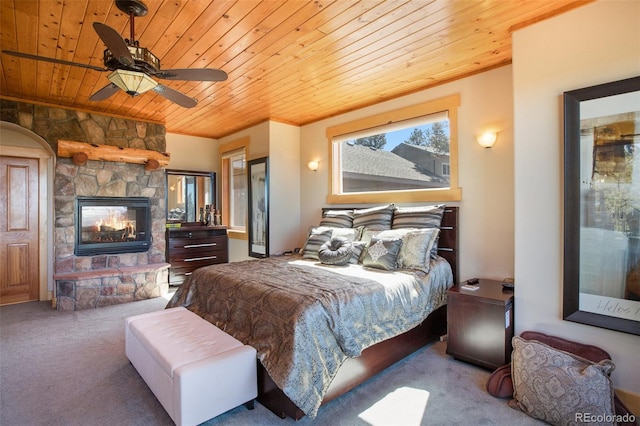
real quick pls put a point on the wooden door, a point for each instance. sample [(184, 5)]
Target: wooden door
[(18, 230)]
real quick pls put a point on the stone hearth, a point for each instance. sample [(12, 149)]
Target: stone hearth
[(103, 287)]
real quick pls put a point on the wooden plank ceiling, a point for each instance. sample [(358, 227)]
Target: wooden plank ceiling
[(291, 61)]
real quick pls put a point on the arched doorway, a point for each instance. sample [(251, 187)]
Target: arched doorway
[(21, 146)]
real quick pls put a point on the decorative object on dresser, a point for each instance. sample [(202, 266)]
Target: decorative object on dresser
[(480, 323), (192, 247)]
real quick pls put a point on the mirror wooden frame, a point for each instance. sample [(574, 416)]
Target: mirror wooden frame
[(195, 207), (572, 210)]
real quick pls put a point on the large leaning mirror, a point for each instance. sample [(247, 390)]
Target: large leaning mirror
[(188, 192), (602, 206)]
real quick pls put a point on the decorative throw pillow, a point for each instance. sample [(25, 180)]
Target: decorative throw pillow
[(367, 234), (382, 253), (337, 218), (418, 217), (353, 234), (394, 233), (317, 237), (416, 249), (559, 387), (357, 248), (336, 251), (374, 218)]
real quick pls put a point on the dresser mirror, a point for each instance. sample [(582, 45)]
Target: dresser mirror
[(187, 193)]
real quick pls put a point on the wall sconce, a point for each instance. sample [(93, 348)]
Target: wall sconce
[(313, 165), (487, 139)]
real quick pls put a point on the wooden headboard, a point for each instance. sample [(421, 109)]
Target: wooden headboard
[(448, 242)]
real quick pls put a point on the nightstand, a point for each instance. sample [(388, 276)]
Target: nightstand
[(480, 324)]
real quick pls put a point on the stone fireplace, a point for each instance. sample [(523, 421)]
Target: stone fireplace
[(89, 279), (86, 281)]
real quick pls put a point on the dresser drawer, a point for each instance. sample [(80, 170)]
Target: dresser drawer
[(198, 258), (197, 244), (178, 275), (190, 248)]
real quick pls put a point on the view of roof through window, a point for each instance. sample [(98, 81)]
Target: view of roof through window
[(404, 158)]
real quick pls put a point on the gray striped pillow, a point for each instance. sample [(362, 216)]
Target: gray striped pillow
[(374, 218), (337, 218), (317, 237), (418, 217)]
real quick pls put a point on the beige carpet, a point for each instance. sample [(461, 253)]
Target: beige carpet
[(69, 368)]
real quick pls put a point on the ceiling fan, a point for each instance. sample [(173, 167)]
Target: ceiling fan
[(133, 66)]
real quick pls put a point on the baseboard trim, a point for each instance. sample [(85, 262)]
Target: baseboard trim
[(631, 400)]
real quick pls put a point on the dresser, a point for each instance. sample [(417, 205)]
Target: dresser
[(480, 324), (192, 247)]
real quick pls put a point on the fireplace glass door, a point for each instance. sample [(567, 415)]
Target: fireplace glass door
[(110, 225)]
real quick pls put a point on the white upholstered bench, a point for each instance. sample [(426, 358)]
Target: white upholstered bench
[(196, 370)]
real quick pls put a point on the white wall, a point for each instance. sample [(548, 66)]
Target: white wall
[(258, 147), (284, 186), (281, 143), (192, 153), (486, 175), (594, 44)]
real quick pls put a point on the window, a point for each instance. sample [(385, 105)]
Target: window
[(234, 187), (404, 155)]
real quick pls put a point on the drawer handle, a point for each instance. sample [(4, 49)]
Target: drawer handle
[(201, 245), (188, 273), (193, 259)]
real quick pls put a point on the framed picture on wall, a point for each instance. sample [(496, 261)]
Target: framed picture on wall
[(259, 207)]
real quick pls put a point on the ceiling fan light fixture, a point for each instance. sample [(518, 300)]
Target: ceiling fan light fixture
[(132, 82)]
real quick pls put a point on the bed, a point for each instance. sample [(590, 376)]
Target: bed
[(321, 329)]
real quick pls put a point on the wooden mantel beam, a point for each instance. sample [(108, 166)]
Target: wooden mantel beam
[(80, 152)]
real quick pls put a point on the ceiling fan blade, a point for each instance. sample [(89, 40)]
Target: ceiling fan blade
[(193, 74), (175, 96), (115, 43), (102, 94), (55, 61)]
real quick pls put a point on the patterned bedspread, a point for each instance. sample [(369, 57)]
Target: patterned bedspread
[(305, 319)]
